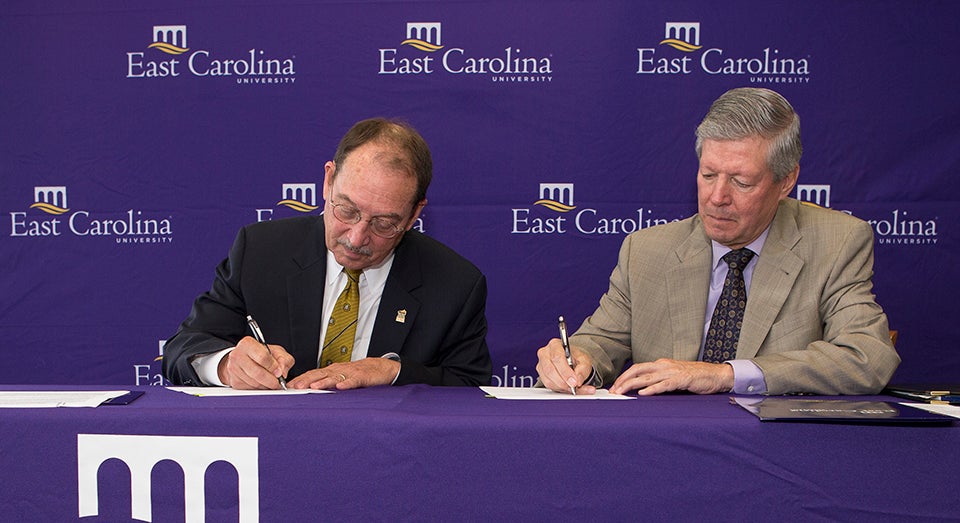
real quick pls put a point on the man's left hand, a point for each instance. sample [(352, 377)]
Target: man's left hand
[(368, 372), (665, 375)]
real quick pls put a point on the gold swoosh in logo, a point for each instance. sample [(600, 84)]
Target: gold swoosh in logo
[(297, 205), (555, 205), (680, 45), (49, 208), (422, 45), (168, 48)]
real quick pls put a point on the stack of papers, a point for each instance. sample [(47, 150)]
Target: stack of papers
[(537, 393), (210, 392), (33, 399)]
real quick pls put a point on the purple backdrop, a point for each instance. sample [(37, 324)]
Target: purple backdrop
[(137, 139)]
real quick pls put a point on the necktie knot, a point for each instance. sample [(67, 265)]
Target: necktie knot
[(738, 259), (354, 275)]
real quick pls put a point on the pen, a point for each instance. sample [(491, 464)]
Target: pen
[(258, 334), (566, 347)]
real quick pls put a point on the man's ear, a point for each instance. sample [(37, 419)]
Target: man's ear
[(788, 182), (329, 169)]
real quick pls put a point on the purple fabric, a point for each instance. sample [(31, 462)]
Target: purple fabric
[(422, 453), (159, 171)]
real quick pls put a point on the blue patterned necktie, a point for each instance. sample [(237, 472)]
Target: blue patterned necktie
[(724, 331)]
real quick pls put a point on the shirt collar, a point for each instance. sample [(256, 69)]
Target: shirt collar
[(756, 246), (374, 276)]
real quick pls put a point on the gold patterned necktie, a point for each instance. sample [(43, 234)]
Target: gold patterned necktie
[(342, 328), (724, 331)]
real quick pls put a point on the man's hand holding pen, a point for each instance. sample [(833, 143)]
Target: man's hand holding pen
[(556, 374), (250, 366)]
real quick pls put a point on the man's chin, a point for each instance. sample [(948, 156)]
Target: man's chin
[(721, 235)]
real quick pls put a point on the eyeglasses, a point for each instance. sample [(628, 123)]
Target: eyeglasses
[(380, 226)]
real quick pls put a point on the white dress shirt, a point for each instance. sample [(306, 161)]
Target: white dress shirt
[(371, 284)]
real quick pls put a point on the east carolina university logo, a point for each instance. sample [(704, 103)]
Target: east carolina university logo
[(682, 36), (132, 226), (764, 66), (166, 38), (254, 66), (193, 454), (511, 65), (51, 200), (300, 197), (558, 198), (423, 36), (896, 228)]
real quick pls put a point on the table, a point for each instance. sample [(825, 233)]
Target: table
[(425, 453)]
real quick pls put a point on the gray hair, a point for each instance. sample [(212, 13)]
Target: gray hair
[(749, 111)]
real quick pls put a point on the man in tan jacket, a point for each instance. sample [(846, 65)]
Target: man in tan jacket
[(809, 322)]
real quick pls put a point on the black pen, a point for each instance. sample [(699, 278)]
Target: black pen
[(259, 337), (566, 347)]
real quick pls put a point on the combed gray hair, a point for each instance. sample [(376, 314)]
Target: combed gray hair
[(748, 111)]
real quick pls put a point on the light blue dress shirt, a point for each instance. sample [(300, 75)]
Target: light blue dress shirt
[(747, 376)]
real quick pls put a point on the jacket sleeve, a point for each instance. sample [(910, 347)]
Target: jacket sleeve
[(216, 320), (854, 354)]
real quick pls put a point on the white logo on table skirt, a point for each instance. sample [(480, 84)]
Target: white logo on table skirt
[(193, 453)]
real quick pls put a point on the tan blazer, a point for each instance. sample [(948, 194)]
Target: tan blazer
[(811, 323)]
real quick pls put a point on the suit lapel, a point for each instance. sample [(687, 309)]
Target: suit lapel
[(688, 301), (773, 278), (305, 299), (398, 307)]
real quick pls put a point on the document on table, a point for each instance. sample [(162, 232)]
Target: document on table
[(209, 392), (946, 410), (538, 393), (33, 399)]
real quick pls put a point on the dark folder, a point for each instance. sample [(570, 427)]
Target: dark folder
[(930, 393), (842, 411)]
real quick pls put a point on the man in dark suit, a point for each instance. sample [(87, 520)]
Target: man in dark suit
[(421, 315)]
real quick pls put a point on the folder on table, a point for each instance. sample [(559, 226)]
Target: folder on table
[(944, 394), (837, 411)]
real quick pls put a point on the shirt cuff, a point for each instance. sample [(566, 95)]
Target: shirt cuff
[(206, 367), (594, 379), (747, 377), (395, 357)]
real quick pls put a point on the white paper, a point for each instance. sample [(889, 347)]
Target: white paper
[(33, 399), (538, 393), (946, 410), (227, 391)]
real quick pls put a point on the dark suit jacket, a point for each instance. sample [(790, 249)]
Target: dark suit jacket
[(811, 323), (276, 272)]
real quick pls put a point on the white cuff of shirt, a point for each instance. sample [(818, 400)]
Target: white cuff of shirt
[(206, 366), (747, 377), (395, 357)]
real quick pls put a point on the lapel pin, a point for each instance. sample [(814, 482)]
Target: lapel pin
[(402, 316)]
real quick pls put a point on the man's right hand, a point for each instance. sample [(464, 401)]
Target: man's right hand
[(252, 366), (556, 374)]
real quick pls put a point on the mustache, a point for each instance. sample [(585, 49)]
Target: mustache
[(345, 243)]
